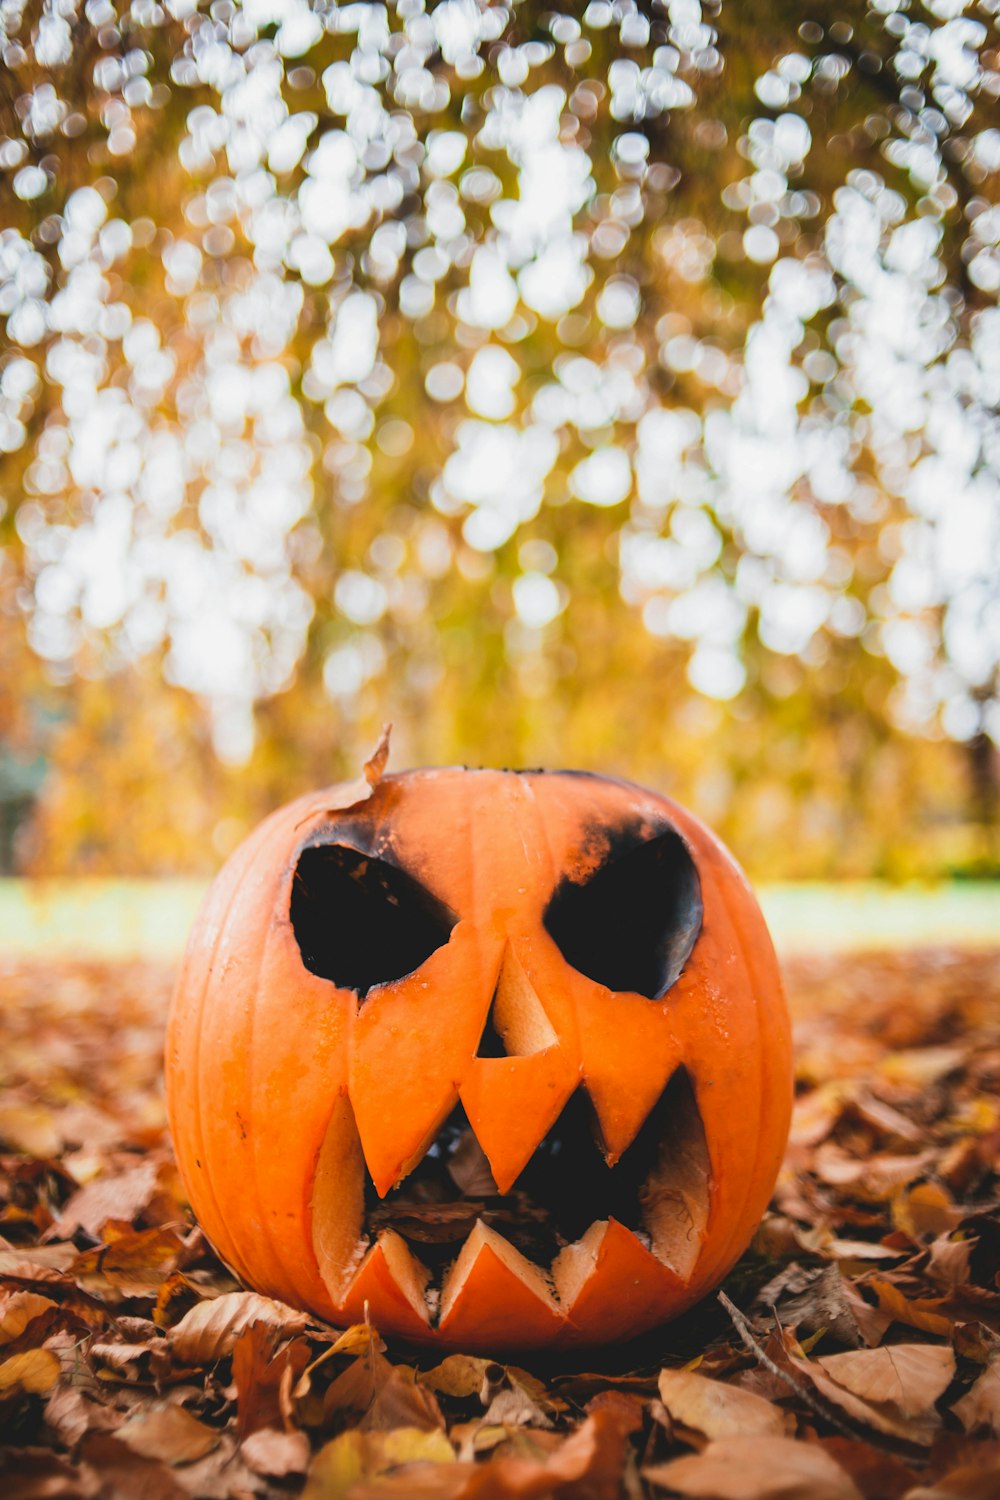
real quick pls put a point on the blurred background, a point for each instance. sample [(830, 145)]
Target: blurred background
[(602, 385)]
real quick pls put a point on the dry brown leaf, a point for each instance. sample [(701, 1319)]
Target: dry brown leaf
[(401, 1402), (718, 1410), (917, 1067), (132, 1265), (17, 1310), (35, 1371), (456, 1375), (877, 1416), (356, 1387), (916, 1312), (130, 1362), (873, 1179), (877, 1474), (121, 1474), (628, 1411), (513, 1407), (70, 1413), (756, 1468), (168, 1433), (925, 1211), (814, 1301), (948, 1260), (587, 1463), (968, 1482), (816, 1113), (209, 1330), (979, 1408), (44, 1262), (35, 1474), (259, 1373), (277, 1454), (30, 1127), (822, 1241), (122, 1195), (909, 1376)]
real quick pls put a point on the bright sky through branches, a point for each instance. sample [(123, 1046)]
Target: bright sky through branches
[(314, 311)]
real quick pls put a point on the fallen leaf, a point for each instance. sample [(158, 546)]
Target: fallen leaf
[(878, 1475), (31, 1128), (36, 1474), (979, 1408), (259, 1373), (17, 1310), (35, 1371), (121, 1474), (131, 1362), (588, 1464), (822, 1241), (513, 1407), (756, 1468), (967, 1482), (823, 1300), (356, 1387), (209, 1330), (715, 1409), (925, 1211), (456, 1375), (168, 1433), (917, 1312), (133, 1264), (401, 1402), (920, 1066), (122, 1195), (877, 1416), (70, 1413), (627, 1410), (277, 1454), (909, 1376), (356, 1455)]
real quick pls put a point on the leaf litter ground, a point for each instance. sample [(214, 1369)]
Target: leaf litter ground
[(853, 1352)]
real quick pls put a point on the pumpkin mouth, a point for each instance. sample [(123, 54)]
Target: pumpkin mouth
[(435, 1233)]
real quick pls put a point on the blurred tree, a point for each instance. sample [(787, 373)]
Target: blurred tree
[(613, 386)]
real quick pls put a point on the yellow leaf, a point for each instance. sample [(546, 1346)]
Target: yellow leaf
[(36, 1370), (18, 1311)]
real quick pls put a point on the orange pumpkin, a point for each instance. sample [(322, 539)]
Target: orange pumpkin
[(502, 1055)]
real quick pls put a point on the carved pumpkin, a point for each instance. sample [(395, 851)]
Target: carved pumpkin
[(503, 1055)]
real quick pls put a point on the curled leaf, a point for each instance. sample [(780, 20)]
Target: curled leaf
[(209, 1330)]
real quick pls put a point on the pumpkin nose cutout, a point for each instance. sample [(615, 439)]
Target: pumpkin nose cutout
[(516, 1023)]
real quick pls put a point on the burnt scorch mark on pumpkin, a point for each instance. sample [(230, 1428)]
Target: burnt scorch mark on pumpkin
[(631, 919), (361, 921)]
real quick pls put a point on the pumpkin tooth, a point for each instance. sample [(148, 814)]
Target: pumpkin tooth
[(392, 1279), (494, 1297), (612, 1287), (513, 1102)]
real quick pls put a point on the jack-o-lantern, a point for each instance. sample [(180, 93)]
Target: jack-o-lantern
[(502, 1055)]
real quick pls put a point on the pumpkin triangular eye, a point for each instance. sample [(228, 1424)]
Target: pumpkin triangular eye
[(633, 923), (361, 921)]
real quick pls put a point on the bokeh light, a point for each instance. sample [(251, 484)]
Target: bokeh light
[(613, 384)]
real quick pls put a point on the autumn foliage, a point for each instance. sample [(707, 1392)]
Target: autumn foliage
[(855, 1352)]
